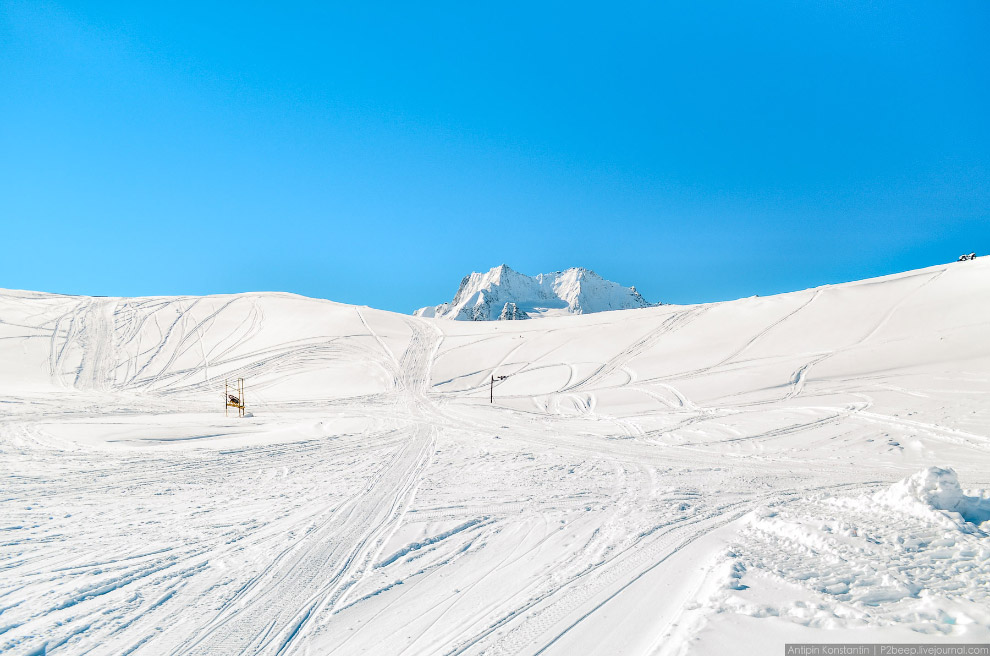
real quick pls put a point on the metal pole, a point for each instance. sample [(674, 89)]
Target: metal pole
[(492, 400), (226, 402)]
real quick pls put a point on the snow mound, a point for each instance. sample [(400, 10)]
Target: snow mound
[(505, 294), (934, 493)]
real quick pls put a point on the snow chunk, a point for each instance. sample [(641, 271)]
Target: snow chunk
[(934, 493)]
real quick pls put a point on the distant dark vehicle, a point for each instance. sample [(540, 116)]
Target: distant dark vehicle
[(233, 399), (963, 258)]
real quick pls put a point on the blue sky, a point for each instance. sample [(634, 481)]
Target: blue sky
[(376, 153)]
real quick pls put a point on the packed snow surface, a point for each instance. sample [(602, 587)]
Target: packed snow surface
[(708, 479), (504, 294)]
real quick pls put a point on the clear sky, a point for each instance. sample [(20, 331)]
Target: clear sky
[(374, 153)]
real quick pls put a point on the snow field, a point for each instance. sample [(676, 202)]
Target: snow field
[(662, 480)]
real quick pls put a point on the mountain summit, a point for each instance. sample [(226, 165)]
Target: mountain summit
[(502, 294)]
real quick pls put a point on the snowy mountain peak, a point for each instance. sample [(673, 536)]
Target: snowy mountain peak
[(503, 294)]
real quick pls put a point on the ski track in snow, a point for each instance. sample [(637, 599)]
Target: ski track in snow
[(376, 502)]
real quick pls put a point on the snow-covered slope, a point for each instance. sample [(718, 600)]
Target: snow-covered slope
[(502, 294), (727, 477)]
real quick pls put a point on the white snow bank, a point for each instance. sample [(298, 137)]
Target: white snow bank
[(934, 493)]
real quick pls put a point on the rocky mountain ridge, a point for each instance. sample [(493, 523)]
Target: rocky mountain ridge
[(502, 294)]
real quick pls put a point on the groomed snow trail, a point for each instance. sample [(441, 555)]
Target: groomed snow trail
[(650, 481)]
